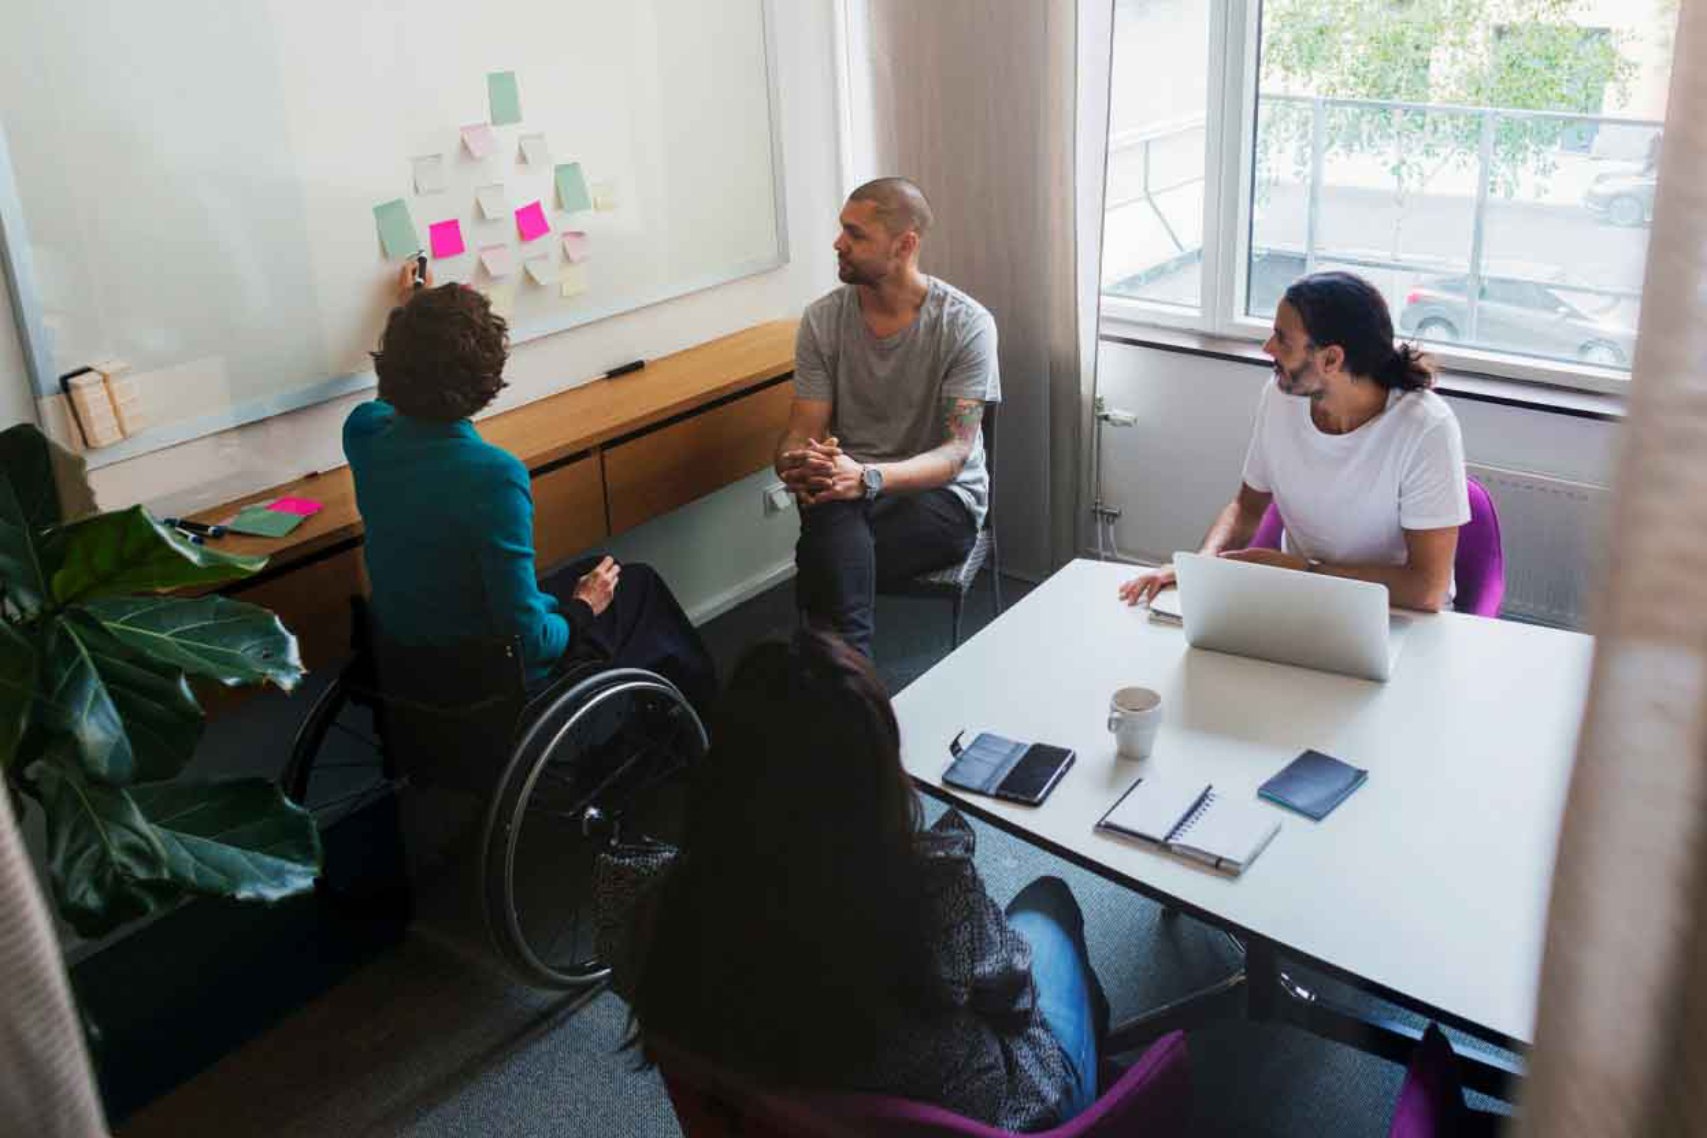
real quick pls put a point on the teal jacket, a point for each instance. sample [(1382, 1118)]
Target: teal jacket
[(449, 520)]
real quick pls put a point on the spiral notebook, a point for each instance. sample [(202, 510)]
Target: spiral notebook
[(1189, 818)]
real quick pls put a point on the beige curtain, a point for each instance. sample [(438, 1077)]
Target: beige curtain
[(1621, 1045), (975, 101), (46, 1089)]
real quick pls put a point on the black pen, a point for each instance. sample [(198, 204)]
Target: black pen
[(195, 527), (624, 369)]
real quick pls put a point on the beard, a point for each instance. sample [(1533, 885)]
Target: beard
[(1301, 381), (853, 273)]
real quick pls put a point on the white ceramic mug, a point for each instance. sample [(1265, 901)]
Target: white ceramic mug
[(1134, 715)]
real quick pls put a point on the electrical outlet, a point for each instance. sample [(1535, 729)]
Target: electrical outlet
[(777, 498)]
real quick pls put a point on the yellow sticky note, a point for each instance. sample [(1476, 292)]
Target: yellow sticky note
[(502, 297), (604, 197), (573, 282)]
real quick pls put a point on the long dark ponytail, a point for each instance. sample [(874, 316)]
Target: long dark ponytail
[(1346, 310)]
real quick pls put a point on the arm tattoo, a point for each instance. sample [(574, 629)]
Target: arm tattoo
[(964, 417)]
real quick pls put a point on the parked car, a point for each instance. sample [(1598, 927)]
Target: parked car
[(1516, 315), (1623, 198)]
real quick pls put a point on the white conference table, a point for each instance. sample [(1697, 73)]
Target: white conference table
[(1428, 886)]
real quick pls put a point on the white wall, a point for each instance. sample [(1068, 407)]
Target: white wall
[(714, 545), (1174, 470)]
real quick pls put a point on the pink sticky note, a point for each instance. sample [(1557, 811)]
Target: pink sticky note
[(480, 139), (576, 246), (530, 221), (303, 507), (446, 237)]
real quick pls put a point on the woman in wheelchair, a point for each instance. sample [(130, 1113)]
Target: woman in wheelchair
[(449, 517), (813, 934)]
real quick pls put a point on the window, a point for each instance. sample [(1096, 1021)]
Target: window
[(1489, 164)]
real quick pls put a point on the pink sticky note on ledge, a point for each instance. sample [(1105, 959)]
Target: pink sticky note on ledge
[(302, 507), (446, 237), (530, 221), (480, 139), (576, 246)]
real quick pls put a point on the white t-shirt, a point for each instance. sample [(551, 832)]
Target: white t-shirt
[(1346, 499)]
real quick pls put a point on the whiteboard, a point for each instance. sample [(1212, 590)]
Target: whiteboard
[(188, 186)]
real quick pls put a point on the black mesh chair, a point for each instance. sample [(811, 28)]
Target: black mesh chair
[(953, 582), (599, 756)]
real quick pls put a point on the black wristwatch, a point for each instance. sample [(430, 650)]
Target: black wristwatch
[(872, 476)]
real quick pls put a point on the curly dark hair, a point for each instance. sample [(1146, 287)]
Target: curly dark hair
[(442, 354)]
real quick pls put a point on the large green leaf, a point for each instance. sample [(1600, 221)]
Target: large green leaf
[(27, 462), (75, 705), (213, 637), (127, 551), (21, 572), (233, 838), (130, 718), (105, 862), (115, 854), (19, 665)]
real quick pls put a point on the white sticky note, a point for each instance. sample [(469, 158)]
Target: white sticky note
[(534, 151), (573, 281), (480, 139), (576, 246), (542, 271), (494, 201), (502, 298), (604, 196), (498, 260), (429, 173)]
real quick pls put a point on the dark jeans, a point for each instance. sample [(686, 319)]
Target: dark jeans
[(642, 627), (1069, 995), (848, 549)]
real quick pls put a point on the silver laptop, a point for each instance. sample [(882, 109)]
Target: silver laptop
[(1332, 624)]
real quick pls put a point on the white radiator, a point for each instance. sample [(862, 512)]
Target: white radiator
[(1551, 530)]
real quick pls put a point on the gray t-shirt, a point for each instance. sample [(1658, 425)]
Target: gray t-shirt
[(888, 394)]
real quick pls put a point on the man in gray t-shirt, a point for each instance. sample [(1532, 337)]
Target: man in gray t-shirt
[(883, 450)]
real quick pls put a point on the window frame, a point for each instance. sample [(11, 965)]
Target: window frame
[(1234, 43)]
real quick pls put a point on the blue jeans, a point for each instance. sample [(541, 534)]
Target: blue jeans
[(1069, 995)]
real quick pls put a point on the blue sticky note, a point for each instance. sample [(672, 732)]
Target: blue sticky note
[(504, 98), (397, 233), (572, 187)]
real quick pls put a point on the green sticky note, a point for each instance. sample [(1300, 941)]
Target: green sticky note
[(504, 97), (572, 187), (262, 522), (396, 229)]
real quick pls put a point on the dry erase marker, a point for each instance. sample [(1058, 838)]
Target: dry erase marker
[(420, 268), (624, 369), (192, 538), (196, 527)]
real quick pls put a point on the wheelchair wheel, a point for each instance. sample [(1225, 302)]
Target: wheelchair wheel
[(606, 761), (336, 764)]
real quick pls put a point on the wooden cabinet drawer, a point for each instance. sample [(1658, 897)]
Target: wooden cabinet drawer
[(674, 465), (568, 512)]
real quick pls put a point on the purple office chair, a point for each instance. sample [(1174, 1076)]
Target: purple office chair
[(1152, 1097), (1431, 1101), (1479, 565)]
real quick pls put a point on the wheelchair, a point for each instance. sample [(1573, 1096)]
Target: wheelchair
[(599, 756)]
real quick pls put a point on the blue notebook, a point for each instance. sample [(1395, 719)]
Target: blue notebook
[(1313, 784)]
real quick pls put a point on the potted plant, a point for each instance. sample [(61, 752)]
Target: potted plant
[(97, 716)]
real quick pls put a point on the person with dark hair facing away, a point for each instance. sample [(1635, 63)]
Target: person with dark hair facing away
[(812, 934), (884, 450), (1364, 463), (449, 517)]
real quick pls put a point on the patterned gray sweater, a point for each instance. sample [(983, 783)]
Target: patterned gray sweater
[(990, 1058)]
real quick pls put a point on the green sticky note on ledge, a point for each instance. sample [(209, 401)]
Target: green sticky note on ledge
[(504, 98), (258, 521)]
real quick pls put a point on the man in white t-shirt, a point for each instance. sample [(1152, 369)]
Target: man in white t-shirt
[(1364, 463)]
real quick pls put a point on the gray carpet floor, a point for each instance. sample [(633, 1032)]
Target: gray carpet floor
[(475, 1055)]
